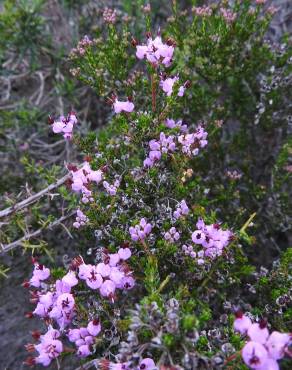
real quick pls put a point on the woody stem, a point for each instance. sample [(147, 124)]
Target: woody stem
[(153, 90)]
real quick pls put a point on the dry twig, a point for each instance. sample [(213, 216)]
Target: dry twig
[(19, 242), (32, 199)]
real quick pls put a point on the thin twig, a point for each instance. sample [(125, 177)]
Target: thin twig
[(19, 242), (32, 199), (89, 364)]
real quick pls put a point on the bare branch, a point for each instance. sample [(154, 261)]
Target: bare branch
[(32, 199), (89, 365), (19, 242)]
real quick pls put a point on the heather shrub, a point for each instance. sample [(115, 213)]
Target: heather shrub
[(182, 197)]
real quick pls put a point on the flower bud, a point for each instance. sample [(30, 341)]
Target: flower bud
[(25, 284), (134, 42)]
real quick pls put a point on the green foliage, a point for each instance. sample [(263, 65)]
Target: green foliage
[(22, 27)]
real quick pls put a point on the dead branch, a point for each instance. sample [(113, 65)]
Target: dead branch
[(32, 199), (19, 242), (89, 365)]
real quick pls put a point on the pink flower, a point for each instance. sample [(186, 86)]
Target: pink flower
[(147, 364), (58, 127), (65, 302), (181, 91), (156, 52), (172, 235), (126, 106), (165, 144), (74, 335), (107, 288), (83, 271), (103, 269), (168, 84), (170, 123), (242, 323), (40, 274), (40, 310), (111, 189), (95, 176), (83, 351), (276, 344), (228, 15), (204, 11), (258, 332), (93, 278), (124, 253), (49, 347), (198, 237), (148, 162), (80, 180), (70, 279), (128, 282), (181, 210), (47, 299), (94, 327), (114, 259), (140, 231), (81, 218), (270, 364), (254, 355), (212, 238), (65, 125), (117, 276)]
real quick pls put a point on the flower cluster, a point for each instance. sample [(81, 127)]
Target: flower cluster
[(111, 189), (272, 10), (181, 210), (48, 349), (80, 50), (123, 106), (109, 275), (57, 302), (263, 350), (233, 175), (172, 235), (191, 143), (81, 179), (165, 144), (40, 273), (81, 219), (228, 15), (189, 251), (156, 51), (140, 231), (85, 337), (202, 11), (212, 238), (65, 125), (109, 15), (168, 83), (170, 123)]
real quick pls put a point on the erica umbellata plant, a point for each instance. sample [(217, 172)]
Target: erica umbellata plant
[(159, 287)]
